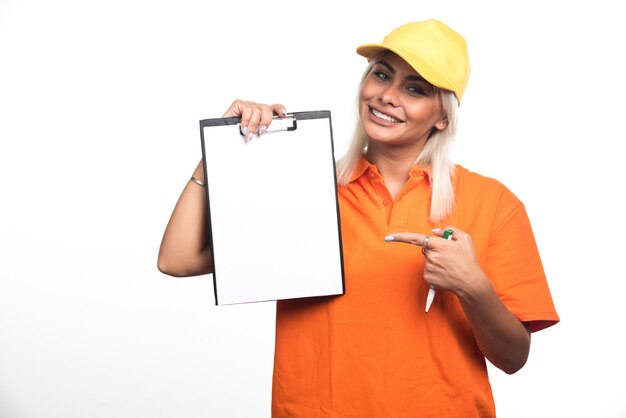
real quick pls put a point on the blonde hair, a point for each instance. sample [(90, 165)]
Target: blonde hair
[(436, 154)]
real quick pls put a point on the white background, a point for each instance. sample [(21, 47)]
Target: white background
[(99, 110)]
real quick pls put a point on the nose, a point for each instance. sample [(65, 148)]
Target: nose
[(389, 95)]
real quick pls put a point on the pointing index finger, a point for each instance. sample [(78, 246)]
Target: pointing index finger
[(408, 237)]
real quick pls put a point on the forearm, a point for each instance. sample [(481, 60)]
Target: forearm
[(184, 249), (502, 338)]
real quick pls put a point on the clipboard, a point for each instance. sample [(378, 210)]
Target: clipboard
[(272, 206)]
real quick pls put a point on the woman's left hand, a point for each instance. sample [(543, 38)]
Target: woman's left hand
[(449, 264)]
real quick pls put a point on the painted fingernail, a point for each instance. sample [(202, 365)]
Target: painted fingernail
[(390, 238), (262, 129), (244, 130), (436, 229)]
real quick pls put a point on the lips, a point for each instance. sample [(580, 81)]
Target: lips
[(384, 116)]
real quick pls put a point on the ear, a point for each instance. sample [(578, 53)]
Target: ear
[(441, 125)]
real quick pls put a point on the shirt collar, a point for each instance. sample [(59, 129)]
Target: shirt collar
[(363, 165)]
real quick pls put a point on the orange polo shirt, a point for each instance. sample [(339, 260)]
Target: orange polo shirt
[(373, 352)]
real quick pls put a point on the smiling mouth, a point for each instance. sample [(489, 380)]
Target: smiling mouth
[(383, 116)]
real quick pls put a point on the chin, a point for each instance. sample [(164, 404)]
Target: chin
[(377, 133)]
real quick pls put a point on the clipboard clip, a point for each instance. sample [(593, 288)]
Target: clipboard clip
[(288, 123)]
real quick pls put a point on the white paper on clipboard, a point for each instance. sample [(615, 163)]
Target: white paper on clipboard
[(273, 212)]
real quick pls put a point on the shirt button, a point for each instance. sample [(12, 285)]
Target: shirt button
[(386, 202)]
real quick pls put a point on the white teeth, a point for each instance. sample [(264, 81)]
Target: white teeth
[(383, 116)]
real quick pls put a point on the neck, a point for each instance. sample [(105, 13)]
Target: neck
[(393, 164)]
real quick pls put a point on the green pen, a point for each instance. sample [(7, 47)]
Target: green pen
[(447, 234)]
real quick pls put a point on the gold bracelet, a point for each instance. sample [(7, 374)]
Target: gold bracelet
[(197, 181)]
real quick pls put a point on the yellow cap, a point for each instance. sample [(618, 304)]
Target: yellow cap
[(434, 50)]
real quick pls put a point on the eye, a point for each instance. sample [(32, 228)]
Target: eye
[(381, 75), (416, 90)]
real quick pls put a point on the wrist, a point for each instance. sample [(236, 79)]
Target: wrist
[(476, 289), (198, 175), (197, 181)]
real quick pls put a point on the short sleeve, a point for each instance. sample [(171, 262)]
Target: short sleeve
[(514, 266)]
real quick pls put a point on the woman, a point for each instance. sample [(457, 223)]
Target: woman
[(375, 352)]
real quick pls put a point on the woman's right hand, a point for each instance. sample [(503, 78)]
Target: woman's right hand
[(185, 250), (255, 117)]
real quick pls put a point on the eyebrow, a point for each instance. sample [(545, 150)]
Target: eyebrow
[(393, 71)]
